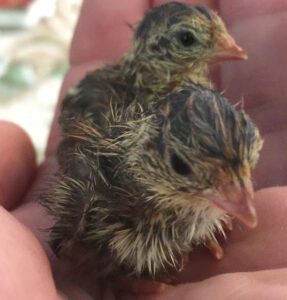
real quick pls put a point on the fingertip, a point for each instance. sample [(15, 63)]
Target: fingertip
[(17, 163), (25, 270), (102, 32), (234, 11)]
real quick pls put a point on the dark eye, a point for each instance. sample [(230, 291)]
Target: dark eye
[(179, 165), (186, 38)]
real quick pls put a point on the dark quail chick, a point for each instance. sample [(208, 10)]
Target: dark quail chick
[(172, 47), (148, 188)]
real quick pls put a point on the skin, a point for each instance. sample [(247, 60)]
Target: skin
[(259, 26)]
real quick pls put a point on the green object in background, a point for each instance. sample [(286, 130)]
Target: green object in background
[(60, 70), (18, 76), (21, 75)]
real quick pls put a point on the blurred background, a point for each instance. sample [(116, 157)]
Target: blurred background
[(34, 36)]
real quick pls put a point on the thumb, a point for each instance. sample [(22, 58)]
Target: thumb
[(24, 268)]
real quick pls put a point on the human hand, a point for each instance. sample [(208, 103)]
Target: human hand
[(259, 28)]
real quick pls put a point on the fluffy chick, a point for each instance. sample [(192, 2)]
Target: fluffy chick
[(146, 189), (172, 46)]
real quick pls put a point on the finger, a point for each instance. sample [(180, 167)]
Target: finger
[(17, 164), (260, 81), (103, 31), (210, 3), (24, 270), (272, 166), (259, 78), (243, 286), (234, 11)]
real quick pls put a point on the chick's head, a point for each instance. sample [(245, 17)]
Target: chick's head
[(201, 149), (184, 34)]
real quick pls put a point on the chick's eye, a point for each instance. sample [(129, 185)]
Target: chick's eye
[(186, 38), (179, 165)]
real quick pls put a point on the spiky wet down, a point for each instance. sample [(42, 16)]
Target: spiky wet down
[(144, 150), (136, 195)]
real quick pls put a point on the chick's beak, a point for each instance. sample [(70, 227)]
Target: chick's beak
[(237, 200), (227, 49)]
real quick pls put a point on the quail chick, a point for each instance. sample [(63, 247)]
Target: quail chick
[(143, 181), (150, 186), (172, 46)]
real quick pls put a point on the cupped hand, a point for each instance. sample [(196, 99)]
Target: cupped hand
[(255, 262)]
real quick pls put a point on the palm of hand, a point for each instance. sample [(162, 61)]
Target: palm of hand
[(261, 80)]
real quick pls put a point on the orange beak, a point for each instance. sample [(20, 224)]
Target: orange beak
[(227, 49), (237, 201)]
